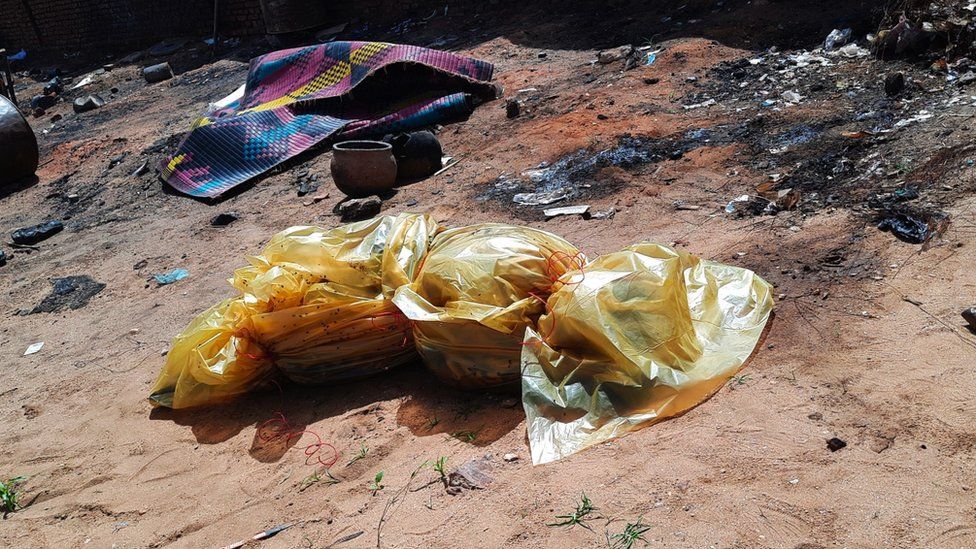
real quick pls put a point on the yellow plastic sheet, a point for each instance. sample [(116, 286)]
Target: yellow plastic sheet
[(476, 292), (314, 305), (635, 337)]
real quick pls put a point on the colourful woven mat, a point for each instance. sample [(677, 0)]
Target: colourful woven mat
[(295, 99)]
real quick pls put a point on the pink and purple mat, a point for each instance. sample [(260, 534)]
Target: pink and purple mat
[(295, 99)]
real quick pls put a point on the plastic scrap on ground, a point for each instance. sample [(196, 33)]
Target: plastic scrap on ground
[(601, 347), (173, 276)]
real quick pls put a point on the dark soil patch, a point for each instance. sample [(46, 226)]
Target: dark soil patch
[(71, 292)]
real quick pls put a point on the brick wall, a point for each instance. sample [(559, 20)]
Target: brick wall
[(91, 26)]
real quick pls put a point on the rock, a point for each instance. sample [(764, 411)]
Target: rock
[(894, 84), (606, 57), (53, 86), (601, 116), (55, 118), (37, 233), (410, 203), (512, 108), (472, 475), (43, 101), (510, 457), (651, 81), (970, 316), (157, 73), (224, 219), (835, 444), (355, 209), (3, 258), (967, 78), (816, 416), (543, 55), (88, 103)]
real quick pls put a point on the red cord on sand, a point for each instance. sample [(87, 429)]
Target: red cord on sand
[(285, 431)]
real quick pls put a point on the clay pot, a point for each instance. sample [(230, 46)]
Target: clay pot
[(363, 168), (418, 154), (18, 147)]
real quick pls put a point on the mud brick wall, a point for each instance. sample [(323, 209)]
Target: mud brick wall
[(92, 26)]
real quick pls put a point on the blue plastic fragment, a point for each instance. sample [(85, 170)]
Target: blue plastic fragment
[(171, 277)]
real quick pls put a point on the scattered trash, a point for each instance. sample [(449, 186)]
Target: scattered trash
[(512, 108), (681, 206), (417, 154), (701, 105), (542, 198), (922, 116), (606, 214), (173, 276), (157, 73), (567, 210), (363, 168), (37, 233), (750, 205), (19, 56), (87, 103), (912, 228), (835, 444), (354, 209), (837, 38), (894, 84), (259, 536), (33, 348), (72, 292), (224, 219), (791, 97), (510, 457), (650, 58), (142, 169), (88, 79), (852, 51)]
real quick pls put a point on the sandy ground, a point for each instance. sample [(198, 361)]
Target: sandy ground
[(866, 345)]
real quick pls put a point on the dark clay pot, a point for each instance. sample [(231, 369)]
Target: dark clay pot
[(418, 154), (18, 146), (363, 168)]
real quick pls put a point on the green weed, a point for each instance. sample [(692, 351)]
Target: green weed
[(579, 516), (632, 533), (8, 495)]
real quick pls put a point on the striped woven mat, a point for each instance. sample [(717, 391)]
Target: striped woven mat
[(294, 99)]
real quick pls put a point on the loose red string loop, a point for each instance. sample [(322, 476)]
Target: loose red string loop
[(285, 431), (267, 434)]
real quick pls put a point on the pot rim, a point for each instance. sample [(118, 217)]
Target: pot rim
[(362, 145)]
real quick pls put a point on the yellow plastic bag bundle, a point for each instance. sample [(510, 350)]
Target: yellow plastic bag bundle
[(632, 338), (212, 360), (315, 306), (476, 292)]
